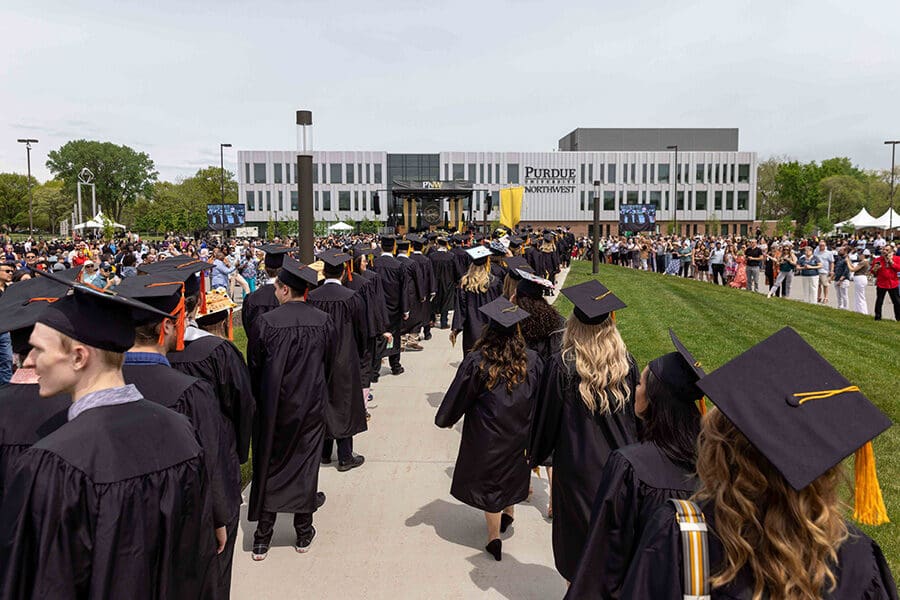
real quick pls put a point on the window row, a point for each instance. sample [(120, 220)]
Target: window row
[(696, 200), (480, 173), (322, 173), (660, 173)]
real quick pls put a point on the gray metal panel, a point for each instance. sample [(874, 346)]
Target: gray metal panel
[(651, 139)]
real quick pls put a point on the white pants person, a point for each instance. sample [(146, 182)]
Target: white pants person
[(859, 294), (842, 288), (808, 286)]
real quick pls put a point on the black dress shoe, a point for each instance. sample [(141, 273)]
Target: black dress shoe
[(354, 462), (493, 548), (326, 460), (320, 499), (505, 521), (397, 370), (427, 336)]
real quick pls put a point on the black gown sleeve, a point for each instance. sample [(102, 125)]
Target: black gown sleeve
[(460, 310), (655, 570), (201, 407), (243, 402), (611, 535), (547, 414), (461, 393), (883, 586)]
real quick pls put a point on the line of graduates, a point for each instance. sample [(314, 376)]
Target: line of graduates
[(652, 499)]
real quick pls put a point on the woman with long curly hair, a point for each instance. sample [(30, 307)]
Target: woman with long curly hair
[(477, 288), (494, 388), (584, 411), (768, 520), (640, 478)]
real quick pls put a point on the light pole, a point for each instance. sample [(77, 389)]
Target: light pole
[(595, 239), (222, 179), (893, 144), (305, 224), (28, 142), (675, 187)]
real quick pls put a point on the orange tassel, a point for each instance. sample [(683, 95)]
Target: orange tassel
[(868, 503), (230, 325), (202, 303), (701, 404), (305, 294), (350, 270), (179, 314)]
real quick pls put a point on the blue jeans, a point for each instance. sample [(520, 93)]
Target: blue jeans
[(6, 364)]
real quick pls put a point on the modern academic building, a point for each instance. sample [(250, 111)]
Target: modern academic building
[(712, 182)]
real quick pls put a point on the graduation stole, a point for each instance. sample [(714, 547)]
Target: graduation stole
[(695, 549)]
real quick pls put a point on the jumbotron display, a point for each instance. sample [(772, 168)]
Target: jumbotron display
[(637, 217), (225, 216)]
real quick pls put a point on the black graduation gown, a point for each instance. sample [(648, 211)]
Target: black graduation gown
[(345, 412), (364, 283), (656, 570), (414, 291), (546, 264), (581, 443), (428, 286), (530, 255), (445, 276), (636, 481), (25, 418), (289, 365), (113, 504), (492, 467), (196, 400), (462, 261), (255, 305), (218, 362), (394, 283), (466, 316)]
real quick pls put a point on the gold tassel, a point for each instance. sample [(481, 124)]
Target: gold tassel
[(868, 506), (701, 404)]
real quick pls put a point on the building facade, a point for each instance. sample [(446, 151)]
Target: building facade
[(708, 188)]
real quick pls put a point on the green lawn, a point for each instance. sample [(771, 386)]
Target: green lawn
[(718, 323)]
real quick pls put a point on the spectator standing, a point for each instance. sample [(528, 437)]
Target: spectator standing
[(6, 359), (826, 270), (809, 275), (842, 277), (754, 257), (221, 271), (717, 264), (684, 252), (787, 262), (860, 270), (885, 268)]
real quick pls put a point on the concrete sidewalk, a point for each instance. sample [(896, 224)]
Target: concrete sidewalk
[(390, 529)]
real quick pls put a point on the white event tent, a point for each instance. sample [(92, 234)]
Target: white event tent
[(862, 220), (98, 222), (340, 226), (885, 221)]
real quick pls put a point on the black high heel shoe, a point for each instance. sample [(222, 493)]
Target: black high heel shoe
[(493, 548), (505, 521)]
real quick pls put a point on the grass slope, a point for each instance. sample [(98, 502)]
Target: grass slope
[(718, 323)]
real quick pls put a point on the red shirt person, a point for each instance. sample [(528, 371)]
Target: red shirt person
[(886, 267)]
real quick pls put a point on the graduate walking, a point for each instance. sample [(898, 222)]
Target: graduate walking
[(476, 289)]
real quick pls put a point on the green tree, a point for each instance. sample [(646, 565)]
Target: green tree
[(14, 198), (841, 197), (797, 184), (769, 203), (51, 205), (121, 174)]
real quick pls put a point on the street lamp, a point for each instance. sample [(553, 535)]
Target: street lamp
[(675, 186), (222, 174), (595, 239), (305, 223), (893, 144), (28, 142)]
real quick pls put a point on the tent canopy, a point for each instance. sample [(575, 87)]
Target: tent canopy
[(885, 221), (340, 226), (862, 220), (98, 222)]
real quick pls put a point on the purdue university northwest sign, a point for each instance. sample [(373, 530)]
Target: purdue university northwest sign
[(549, 181)]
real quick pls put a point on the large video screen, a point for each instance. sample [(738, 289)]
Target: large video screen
[(225, 216), (637, 217)]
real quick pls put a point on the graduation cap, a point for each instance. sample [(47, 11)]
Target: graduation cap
[(478, 254), (679, 371), (218, 308), (190, 271), (593, 301), (103, 320), (497, 248), (531, 285), (548, 237), (402, 246), (517, 262), (297, 276), (415, 238), (335, 257), (23, 302), (387, 241), (431, 236), (504, 313), (802, 415), (515, 242), (362, 249), (274, 255), (162, 265), (164, 291)]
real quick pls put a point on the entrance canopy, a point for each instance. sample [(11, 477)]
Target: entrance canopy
[(430, 203)]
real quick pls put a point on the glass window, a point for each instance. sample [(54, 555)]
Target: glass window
[(582, 193), (610, 173), (632, 197), (679, 174), (582, 172), (743, 174), (481, 169), (259, 199), (459, 171), (679, 200), (633, 171), (365, 196), (296, 205), (724, 229), (730, 173), (497, 173), (343, 200), (716, 173), (287, 173), (743, 200), (609, 201), (644, 173), (326, 200), (472, 172), (368, 173), (247, 173), (490, 174), (512, 173), (655, 198), (250, 204), (590, 196), (277, 173), (662, 173), (743, 230), (336, 176), (446, 171), (268, 200), (701, 173), (590, 178), (350, 171), (377, 167), (281, 200), (259, 172), (666, 197), (355, 200), (729, 200), (700, 200)]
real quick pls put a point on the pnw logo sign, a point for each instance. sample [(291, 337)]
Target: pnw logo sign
[(549, 181)]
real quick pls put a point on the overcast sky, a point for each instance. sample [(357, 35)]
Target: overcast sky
[(806, 78)]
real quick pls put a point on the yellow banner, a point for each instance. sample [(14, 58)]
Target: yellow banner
[(511, 206)]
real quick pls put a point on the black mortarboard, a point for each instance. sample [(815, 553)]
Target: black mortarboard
[(517, 262), (593, 302), (497, 248), (478, 237), (679, 371), (548, 237), (274, 255), (161, 291), (23, 302), (478, 254), (297, 276), (504, 313), (801, 414), (402, 245), (431, 236), (415, 238), (361, 249), (388, 241), (163, 265), (99, 319), (189, 271), (531, 285), (515, 242), (335, 257)]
